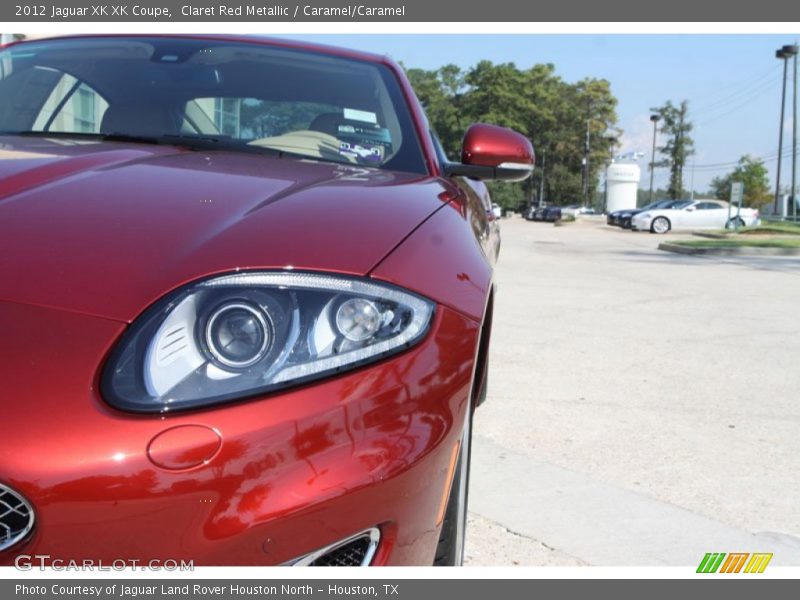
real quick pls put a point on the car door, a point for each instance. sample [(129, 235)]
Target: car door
[(681, 218), (712, 215)]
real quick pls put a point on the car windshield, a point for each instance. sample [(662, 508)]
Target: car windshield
[(657, 204), (681, 204), (210, 94)]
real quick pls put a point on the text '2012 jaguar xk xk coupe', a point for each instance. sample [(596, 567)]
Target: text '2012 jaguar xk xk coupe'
[(245, 304)]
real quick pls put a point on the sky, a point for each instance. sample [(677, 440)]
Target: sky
[(732, 83)]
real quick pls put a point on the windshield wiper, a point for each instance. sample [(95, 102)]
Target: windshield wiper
[(190, 141), (116, 136)]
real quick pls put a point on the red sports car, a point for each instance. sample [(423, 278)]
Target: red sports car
[(245, 304)]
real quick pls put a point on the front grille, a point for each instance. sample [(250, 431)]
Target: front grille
[(355, 551), (16, 517)]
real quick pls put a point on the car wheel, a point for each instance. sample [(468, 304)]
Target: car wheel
[(450, 550), (734, 223), (660, 225)]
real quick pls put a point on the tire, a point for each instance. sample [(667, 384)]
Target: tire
[(660, 225), (732, 223), (450, 549)]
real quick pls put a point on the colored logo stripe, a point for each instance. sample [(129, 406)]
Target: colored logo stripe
[(734, 562), (758, 563), (711, 562)]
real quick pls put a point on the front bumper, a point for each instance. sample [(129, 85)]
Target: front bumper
[(295, 471)]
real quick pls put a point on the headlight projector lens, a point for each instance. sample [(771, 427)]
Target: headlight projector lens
[(358, 319), (238, 335)]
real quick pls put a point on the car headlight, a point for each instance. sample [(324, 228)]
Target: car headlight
[(249, 333)]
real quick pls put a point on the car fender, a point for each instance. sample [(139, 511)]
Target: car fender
[(443, 261)]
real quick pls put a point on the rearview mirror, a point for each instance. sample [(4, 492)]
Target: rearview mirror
[(492, 152)]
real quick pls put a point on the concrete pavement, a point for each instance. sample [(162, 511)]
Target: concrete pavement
[(644, 407)]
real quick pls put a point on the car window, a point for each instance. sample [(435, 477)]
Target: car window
[(708, 206), (249, 96), (72, 105), (293, 126), (250, 118)]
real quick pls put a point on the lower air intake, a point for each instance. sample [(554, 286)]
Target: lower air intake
[(351, 554), (355, 551)]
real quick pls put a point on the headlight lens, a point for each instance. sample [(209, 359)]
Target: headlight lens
[(244, 334)]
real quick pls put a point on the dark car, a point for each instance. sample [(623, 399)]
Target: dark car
[(538, 214), (543, 213), (551, 214)]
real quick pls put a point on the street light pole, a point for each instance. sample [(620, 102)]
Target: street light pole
[(792, 49), (654, 119), (781, 55)]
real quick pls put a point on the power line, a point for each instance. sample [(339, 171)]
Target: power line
[(741, 103), (720, 93), (743, 91), (768, 158)]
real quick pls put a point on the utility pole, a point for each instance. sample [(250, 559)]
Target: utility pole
[(781, 54), (541, 178), (681, 156), (586, 153), (654, 119), (793, 50)]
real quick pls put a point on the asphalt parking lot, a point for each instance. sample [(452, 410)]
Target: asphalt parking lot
[(643, 407)]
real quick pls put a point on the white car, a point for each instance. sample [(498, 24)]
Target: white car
[(497, 211), (697, 214)]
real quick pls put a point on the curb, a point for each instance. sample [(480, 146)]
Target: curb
[(713, 236), (733, 251)]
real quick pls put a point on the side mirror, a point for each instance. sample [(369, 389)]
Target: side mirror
[(491, 152), (690, 208)]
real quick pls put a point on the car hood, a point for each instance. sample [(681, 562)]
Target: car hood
[(107, 228)]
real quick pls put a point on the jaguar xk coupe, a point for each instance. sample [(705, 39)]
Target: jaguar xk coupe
[(245, 304)]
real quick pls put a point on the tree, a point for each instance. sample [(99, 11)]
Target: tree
[(753, 174), (679, 146), (440, 92), (535, 102)]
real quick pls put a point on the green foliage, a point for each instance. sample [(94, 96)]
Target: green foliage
[(535, 102), (679, 146), (753, 174)]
